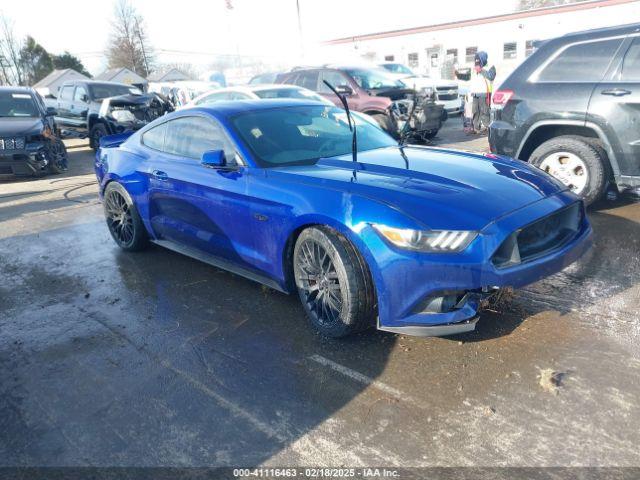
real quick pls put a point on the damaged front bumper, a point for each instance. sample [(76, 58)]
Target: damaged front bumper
[(442, 294), (31, 160), (132, 112), (417, 116)]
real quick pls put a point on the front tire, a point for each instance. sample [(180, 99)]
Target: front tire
[(576, 162), (58, 157), (333, 282), (97, 132), (124, 222)]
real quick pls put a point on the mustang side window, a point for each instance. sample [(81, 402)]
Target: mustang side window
[(154, 137), (190, 137)]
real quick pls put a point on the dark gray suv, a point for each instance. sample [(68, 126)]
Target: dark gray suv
[(573, 109)]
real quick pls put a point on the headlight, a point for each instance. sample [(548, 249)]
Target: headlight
[(123, 116), (428, 91), (433, 241)]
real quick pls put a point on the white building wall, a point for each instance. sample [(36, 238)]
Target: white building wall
[(53, 87), (489, 37)]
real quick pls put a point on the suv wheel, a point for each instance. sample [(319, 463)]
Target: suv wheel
[(333, 282), (57, 154), (576, 163)]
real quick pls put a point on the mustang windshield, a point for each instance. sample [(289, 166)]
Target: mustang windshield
[(14, 104), (302, 135)]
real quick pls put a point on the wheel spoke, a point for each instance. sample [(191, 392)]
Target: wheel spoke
[(119, 218), (318, 282)]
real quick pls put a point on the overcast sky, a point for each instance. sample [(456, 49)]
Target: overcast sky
[(192, 30)]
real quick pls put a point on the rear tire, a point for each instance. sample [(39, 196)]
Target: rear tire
[(333, 282), (576, 162), (124, 222)]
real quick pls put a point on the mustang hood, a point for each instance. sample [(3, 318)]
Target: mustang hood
[(442, 189), (20, 126)]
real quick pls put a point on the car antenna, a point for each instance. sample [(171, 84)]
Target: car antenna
[(352, 123)]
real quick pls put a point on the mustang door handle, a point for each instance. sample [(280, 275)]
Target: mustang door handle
[(616, 92), (158, 175)]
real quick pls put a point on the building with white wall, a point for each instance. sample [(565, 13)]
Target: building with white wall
[(508, 38)]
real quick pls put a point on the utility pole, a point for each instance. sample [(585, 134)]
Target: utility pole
[(300, 28), (144, 54)]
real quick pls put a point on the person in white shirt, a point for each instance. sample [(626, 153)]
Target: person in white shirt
[(480, 90)]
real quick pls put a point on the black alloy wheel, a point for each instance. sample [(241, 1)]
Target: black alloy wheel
[(123, 220), (57, 156), (333, 282), (319, 282)]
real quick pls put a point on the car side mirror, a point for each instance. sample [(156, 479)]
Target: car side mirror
[(51, 112), (214, 159), (344, 90)]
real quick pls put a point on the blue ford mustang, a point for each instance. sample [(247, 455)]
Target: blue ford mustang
[(410, 239)]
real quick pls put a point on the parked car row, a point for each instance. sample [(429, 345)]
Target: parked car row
[(569, 109)]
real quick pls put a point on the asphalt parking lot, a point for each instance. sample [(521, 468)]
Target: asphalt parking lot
[(154, 359)]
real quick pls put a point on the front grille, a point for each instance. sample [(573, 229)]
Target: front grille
[(540, 237), (447, 92), (5, 170), (12, 143)]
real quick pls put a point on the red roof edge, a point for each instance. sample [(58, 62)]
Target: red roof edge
[(483, 20)]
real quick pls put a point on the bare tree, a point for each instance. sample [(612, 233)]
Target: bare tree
[(10, 63), (187, 68), (532, 4), (129, 46)]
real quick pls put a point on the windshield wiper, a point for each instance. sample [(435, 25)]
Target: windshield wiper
[(352, 124)]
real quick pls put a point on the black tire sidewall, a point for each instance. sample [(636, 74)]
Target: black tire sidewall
[(140, 236), (53, 168), (355, 314), (583, 149), (92, 133)]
